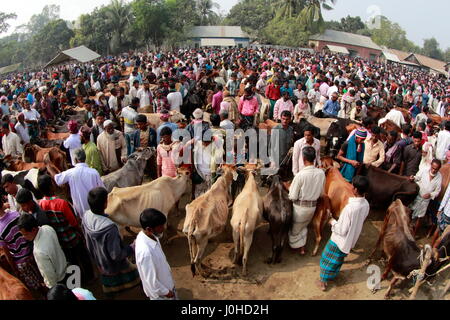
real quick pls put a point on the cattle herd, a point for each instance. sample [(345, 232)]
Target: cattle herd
[(240, 195)]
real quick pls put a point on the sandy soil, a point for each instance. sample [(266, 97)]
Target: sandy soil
[(293, 279)]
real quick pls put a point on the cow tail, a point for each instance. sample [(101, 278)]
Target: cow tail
[(192, 242), (242, 232)]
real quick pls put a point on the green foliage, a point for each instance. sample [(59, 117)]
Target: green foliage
[(151, 20), (285, 32), (53, 38), (4, 17), (347, 24), (206, 12), (39, 21), (431, 49), (391, 35), (252, 15)]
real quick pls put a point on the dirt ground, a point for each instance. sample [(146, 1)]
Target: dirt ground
[(293, 279)]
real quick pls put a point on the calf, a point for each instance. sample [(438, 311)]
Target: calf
[(19, 165), (132, 173), (403, 254), (337, 193), (206, 217), (278, 211), (35, 154), (389, 126), (247, 215), (12, 288)]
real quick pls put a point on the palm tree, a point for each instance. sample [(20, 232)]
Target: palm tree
[(119, 17), (288, 8), (205, 8), (311, 15)]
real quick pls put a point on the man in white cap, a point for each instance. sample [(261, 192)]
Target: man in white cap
[(112, 147), (197, 126)]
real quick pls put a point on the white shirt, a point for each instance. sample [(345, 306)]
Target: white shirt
[(308, 184), (346, 231), (443, 142), (31, 115), (396, 116), (175, 100), (297, 157), (13, 205), (73, 142), (154, 270), (445, 204), (133, 92), (332, 90), (227, 125), (129, 115), (113, 104), (22, 132), (145, 97), (49, 256), (11, 144), (82, 180), (433, 187)]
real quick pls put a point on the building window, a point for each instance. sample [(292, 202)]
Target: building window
[(353, 53), (373, 57)]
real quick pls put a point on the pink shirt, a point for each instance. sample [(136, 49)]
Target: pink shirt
[(281, 106), (248, 107), (164, 159), (225, 106), (216, 101)]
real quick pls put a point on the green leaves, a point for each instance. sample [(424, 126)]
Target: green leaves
[(4, 17)]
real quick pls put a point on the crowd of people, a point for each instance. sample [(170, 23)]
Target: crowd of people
[(42, 238)]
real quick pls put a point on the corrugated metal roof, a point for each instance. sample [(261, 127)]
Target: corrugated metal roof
[(10, 68), (346, 38), (218, 32), (390, 56), (431, 63), (220, 42), (337, 49), (81, 54)]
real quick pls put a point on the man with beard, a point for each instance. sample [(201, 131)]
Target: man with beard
[(112, 147)]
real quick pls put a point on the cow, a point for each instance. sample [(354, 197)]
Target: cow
[(27, 179), (132, 173), (335, 138), (48, 135), (299, 129), (390, 125), (337, 192), (386, 187), (268, 125), (12, 288), (33, 153), (206, 217), (126, 205), (445, 173), (19, 165), (155, 121), (322, 123), (405, 257), (278, 211), (247, 215)]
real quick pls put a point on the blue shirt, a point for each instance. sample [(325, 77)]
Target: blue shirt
[(5, 109), (415, 110), (289, 90), (332, 107), (30, 98)]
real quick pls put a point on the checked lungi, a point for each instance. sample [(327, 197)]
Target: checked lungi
[(331, 262), (443, 222)]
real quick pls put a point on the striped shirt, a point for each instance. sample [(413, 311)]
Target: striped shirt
[(11, 238)]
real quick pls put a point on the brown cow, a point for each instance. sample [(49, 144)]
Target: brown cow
[(278, 211), (268, 125), (54, 136), (337, 191), (390, 125), (33, 153), (19, 165), (403, 253), (406, 114), (12, 288)]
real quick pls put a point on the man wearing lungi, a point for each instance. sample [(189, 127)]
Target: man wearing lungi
[(305, 190), (345, 233)]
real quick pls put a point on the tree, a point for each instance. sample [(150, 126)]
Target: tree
[(38, 21), (205, 9), (53, 38), (311, 18), (252, 15), (391, 35), (119, 17), (288, 8), (4, 17), (431, 49), (151, 19), (447, 55)]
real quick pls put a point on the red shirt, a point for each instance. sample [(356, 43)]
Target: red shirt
[(60, 205), (273, 93)]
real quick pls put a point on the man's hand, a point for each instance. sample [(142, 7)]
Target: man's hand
[(124, 160), (170, 295), (354, 163), (427, 196), (412, 178), (438, 216)]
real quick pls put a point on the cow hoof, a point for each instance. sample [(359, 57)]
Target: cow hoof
[(374, 291), (268, 261), (387, 297)]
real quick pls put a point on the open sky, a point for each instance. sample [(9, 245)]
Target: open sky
[(421, 19)]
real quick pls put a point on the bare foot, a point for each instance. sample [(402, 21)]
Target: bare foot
[(302, 251), (321, 285)]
